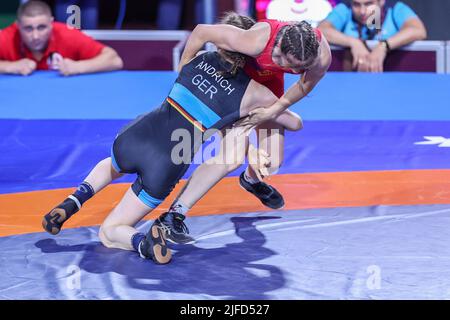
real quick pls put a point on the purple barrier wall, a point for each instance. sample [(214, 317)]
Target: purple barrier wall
[(158, 55), (144, 55), (404, 61)]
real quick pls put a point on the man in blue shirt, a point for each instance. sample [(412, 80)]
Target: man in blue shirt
[(350, 25)]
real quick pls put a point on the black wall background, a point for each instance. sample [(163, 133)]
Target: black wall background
[(436, 16), (142, 14)]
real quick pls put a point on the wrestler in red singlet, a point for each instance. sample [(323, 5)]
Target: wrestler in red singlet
[(262, 68)]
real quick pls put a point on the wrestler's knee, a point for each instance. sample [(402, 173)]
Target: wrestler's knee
[(299, 125), (296, 123), (290, 121), (103, 236)]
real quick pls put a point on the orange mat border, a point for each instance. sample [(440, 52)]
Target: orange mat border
[(21, 213)]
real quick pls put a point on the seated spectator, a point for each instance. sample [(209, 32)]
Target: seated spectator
[(347, 26), (35, 42)]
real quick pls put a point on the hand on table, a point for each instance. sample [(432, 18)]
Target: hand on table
[(360, 55), (376, 58), (66, 67), (24, 67)]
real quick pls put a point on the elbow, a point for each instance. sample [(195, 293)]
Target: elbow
[(422, 31), (114, 61), (298, 125), (417, 30), (423, 34), (198, 27), (198, 30), (118, 63), (203, 33), (419, 35)]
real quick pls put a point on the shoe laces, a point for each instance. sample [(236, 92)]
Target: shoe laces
[(174, 220), (164, 228), (179, 224)]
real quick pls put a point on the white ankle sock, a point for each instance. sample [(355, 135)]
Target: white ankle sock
[(248, 178), (179, 207)]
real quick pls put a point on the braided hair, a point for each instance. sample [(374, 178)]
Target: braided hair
[(299, 40), (238, 59)]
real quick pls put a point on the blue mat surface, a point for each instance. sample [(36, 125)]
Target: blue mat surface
[(348, 253), (55, 129), (50, 154), (124, 94)]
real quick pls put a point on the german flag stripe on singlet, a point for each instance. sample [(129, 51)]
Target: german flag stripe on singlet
[(192, 108)]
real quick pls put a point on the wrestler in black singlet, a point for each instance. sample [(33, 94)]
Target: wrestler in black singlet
[(201, 99)]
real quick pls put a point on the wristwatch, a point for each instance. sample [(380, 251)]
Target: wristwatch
[(386, 45)]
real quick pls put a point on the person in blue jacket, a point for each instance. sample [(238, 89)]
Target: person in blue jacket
[(392, 23)]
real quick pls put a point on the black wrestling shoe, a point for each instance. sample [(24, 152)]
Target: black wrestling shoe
[(54, 220), (175, 230), (154, 246), (267, 194)]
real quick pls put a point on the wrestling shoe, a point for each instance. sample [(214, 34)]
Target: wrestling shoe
[(174, 228), (267, 194), (154, 246), (54, 220)]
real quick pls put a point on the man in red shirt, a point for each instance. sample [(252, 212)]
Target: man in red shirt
[(35, 42)]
